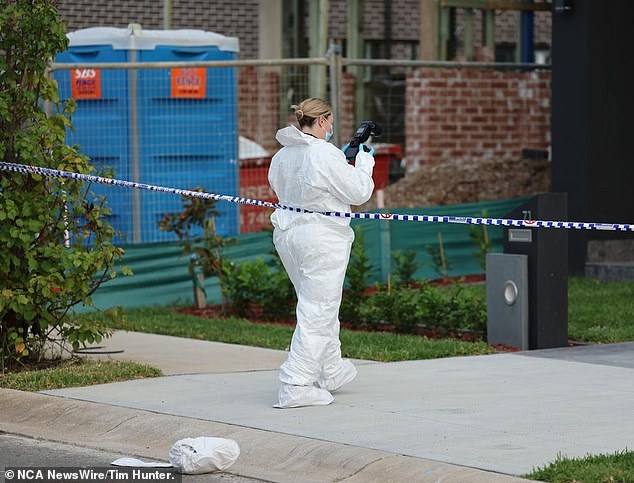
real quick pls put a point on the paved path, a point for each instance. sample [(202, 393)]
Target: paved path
[(471, 419)]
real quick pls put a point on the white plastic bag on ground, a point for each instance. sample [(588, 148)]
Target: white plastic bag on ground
[(194, 456), (133, 462)]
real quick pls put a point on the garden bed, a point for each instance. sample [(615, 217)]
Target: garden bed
[(254, 314), (218, 312)]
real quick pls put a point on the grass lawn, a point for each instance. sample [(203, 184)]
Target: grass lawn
[(597, 311), (74, 373), (377, 346), (608, 468), (600, 311)]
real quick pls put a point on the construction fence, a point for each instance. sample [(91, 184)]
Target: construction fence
[(211, 124)]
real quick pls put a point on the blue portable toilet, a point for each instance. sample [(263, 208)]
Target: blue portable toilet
[(178, 125)]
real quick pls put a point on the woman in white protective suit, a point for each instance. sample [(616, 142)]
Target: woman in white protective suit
[(312, 174)]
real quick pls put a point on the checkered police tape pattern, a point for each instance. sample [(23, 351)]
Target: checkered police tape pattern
[(467, 220)]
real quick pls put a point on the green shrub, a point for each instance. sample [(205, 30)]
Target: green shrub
[(406, 309), (255, 288), (263, 290), (400, 308), (404, 267), (407, 305), (56, 242), (357, 280), (464, 310)]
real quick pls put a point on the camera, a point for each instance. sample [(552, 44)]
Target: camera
[(361, 135)]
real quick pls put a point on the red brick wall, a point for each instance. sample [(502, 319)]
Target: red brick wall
[(259, 105), (346, 112), (233, 18), (475, 115)]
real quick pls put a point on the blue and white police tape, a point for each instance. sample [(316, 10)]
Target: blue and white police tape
[(467, 220)]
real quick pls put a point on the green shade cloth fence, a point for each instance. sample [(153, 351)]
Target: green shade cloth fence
[(161, 276)]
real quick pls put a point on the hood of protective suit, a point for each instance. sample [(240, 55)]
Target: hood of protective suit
[(290, 136), (313, 174)]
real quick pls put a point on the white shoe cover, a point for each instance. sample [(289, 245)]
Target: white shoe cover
[(347, 374), (297, 396)]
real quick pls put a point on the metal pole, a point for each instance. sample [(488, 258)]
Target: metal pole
[(387, 27), (167, 14), (134, 150), (447, 64), (321, 61), (335, 87), (318, 36), (355, 48), (385, 244)]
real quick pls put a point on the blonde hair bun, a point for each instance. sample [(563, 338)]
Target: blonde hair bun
[(298, 111), (309, 110)]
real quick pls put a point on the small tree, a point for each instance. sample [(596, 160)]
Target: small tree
[(204, 248), (480, 237), (405, 266), (438, 258), (56, 244)]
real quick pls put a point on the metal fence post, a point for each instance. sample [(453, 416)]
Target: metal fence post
[(318, 35), (134, 151), (335, 67), (354, 48)]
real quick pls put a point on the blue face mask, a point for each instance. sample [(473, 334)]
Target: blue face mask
[(329, 133)]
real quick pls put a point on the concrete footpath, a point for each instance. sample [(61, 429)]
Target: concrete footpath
[(463, 419)]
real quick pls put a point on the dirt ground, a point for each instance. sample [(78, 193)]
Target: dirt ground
[(456, 182)]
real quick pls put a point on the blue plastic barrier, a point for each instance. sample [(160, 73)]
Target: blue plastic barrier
[(102, 124)]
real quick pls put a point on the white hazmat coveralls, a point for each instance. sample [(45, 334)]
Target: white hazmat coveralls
[(312, 174)]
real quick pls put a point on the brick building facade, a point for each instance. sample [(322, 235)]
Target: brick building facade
[(476, 115), (437, 116), (240, 18), (232, 18)]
